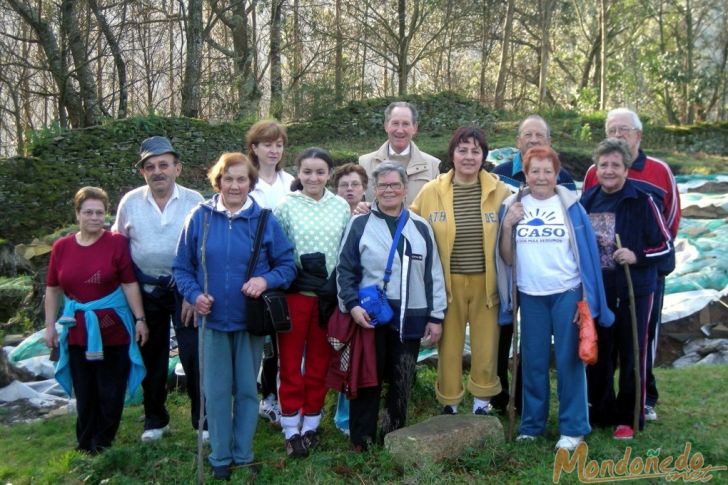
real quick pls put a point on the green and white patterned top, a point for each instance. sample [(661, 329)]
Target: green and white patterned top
[(314, 226)]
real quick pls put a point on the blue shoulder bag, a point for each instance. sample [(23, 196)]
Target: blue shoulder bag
[(373, 298)]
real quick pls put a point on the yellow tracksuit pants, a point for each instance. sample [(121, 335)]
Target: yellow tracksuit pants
[(468, 305)]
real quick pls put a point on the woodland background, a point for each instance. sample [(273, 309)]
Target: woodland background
[(77, 63)]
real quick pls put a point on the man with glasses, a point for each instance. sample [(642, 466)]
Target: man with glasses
[(400, 123), (151, 217), (532, 132), (654, 177)]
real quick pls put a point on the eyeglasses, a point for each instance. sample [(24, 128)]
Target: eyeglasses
[(621, 130), (353, 185), (394, 186), (91, 213), (529, 135)]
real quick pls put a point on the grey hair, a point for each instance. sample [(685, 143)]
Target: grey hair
[(621, 112), (613, 145), (535, 118), (401, 104), (389, 166)]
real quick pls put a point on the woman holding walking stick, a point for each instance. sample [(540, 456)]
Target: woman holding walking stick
[(231, 355), (619, 210), (557, 266)]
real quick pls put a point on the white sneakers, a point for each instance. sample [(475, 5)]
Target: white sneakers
[(650, 413), (270, 410), (569, 443), (154, 434)]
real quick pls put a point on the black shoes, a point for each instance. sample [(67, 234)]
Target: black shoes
[(295, 447), (311, 439), (448, 410), (221, 472)]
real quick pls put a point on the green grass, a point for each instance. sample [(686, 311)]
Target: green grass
[(691, 410)]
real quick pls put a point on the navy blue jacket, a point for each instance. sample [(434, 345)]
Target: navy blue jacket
[(642, 229)]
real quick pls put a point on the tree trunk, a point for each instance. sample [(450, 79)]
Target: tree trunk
[(297, 61), (276, 79), (689, 46), (246, 82), (363, 70), (500, 85), (603, 25), (170, 60), (79, 53), (193, 61), (68, 99), (339, 61), (118, 58), (547, 11), (666, 95), (402, 47)]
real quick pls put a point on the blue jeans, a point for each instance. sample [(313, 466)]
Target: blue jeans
[(232, 360), (542, 317), (341, 418)]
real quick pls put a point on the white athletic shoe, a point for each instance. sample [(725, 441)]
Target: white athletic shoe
[(154, 434), (569, 443), (269, 410), (650, 413)]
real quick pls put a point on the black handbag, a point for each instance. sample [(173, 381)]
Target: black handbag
[(267, 314)]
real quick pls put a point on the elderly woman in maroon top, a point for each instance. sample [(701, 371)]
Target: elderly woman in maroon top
[(92, 272)]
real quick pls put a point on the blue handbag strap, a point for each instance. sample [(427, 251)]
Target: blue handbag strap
[(393, 249)]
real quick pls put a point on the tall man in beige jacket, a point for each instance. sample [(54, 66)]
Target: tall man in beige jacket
[(400, 123)]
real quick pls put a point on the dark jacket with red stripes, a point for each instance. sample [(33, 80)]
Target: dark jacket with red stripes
[(642, 229)]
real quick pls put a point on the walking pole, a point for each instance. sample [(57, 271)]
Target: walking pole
[(201, 355), (514, 341), (635, 347)]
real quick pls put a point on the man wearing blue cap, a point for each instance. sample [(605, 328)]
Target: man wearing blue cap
[(152, 217)]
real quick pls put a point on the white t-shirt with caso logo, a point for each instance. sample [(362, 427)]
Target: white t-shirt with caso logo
[(546, 263)]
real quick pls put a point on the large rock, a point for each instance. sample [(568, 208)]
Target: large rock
[(704, 351), (442, 437), (675, 334)]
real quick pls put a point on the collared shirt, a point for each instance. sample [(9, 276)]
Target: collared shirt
[(221, 207), (153, 232), (404, 153)]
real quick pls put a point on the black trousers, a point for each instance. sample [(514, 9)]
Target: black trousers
[(615, 348), (396, 365), (500, 401), (155, 354), (653, 335), (187, 341), (99, 387), (269, 372)]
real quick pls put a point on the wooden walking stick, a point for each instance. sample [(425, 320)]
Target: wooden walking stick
[(514, 341), (635, 347), (201, 355)]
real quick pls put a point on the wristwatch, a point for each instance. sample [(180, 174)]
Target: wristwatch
[(140, 319)]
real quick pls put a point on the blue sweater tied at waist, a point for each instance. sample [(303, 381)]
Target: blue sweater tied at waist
[(94, 346)]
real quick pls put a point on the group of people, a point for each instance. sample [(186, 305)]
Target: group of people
[(451, 255)]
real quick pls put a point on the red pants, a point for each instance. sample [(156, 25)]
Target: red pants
[(303, 387)]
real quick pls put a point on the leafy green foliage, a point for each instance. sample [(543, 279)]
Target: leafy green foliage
[(439, 113)]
